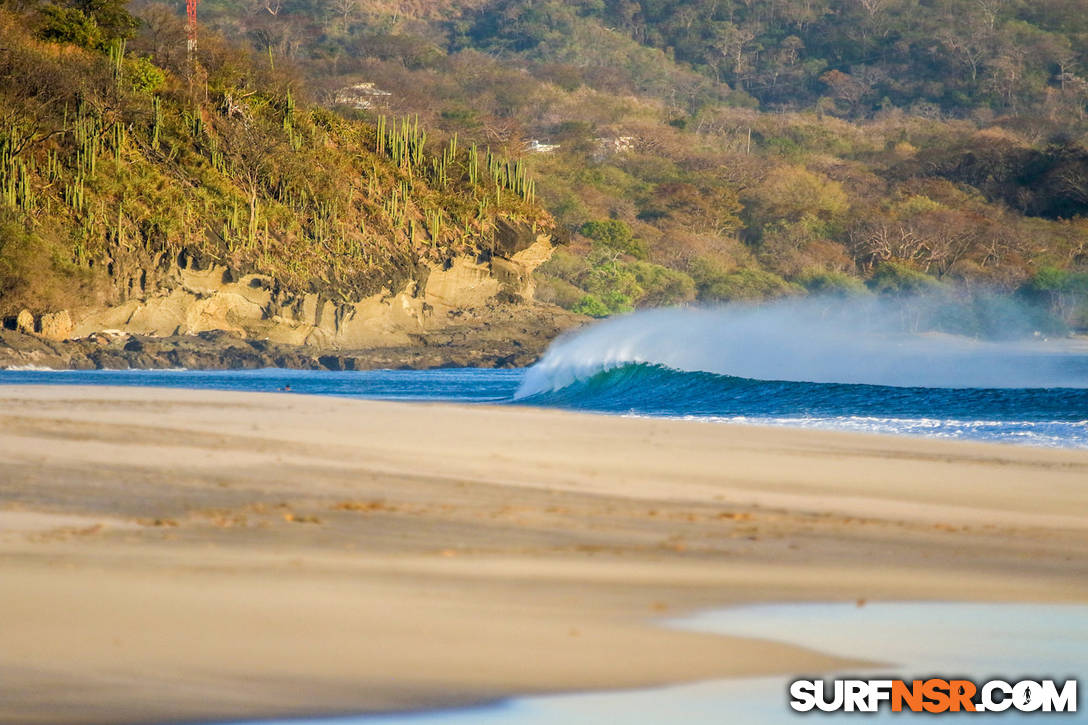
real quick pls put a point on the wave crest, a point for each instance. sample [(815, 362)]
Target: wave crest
[(825, 342)]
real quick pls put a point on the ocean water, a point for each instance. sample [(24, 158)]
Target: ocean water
[(782, 365), (1051, 417)]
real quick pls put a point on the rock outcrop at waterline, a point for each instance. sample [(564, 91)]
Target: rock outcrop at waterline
[(468, 311), (506, 336)]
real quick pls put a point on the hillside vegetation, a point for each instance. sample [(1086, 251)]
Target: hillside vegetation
[(742, 149), (117, 160), (699, 151)]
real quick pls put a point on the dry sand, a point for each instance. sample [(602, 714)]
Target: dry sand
[(183, 555)]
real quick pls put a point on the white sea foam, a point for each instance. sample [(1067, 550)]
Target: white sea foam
[(1048, 434), (35, 369), (820, 341), (97, 371)]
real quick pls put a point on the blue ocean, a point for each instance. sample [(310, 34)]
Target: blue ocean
[(773, 365)]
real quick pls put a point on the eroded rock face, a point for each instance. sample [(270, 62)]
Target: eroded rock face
[(24, 322), (510, 239), (250, 306), (55, 325)]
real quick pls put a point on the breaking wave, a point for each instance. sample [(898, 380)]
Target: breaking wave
[(797, 365)]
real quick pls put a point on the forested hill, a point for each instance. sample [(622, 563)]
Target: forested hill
[(715, 150), (120, 162), (850, 56), (698, 150)]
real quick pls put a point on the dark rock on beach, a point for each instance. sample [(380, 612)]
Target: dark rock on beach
[(515, 338)]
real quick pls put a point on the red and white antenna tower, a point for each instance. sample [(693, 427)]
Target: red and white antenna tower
[(190, 10)]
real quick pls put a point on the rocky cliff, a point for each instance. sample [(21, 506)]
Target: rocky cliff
[(188, 299), (470, 310)]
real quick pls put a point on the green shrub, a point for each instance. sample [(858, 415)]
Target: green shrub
[(746, 284), (86, 23), (662, 286), (714, 283), (612, 281), (1062, 292), (565, 266), (556, 291), (145, 76), (68, 25), (615, 234), (893, 278), (591, 306), (832, 284)]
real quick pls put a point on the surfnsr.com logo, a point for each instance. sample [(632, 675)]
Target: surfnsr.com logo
[(933, 696)]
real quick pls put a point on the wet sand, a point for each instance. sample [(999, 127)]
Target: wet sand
[(176, 555)]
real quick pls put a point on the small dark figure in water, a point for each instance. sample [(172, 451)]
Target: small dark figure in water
[(285, 389)]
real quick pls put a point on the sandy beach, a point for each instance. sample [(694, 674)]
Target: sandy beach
[(173, 555)]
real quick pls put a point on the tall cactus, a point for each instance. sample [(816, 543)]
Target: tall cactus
[(474, 166), (116, 52), (156, 122)]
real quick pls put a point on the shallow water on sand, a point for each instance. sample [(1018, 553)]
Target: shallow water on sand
[(971, 641)]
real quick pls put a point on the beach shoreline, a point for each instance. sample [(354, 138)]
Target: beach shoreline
[(188, 555)]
